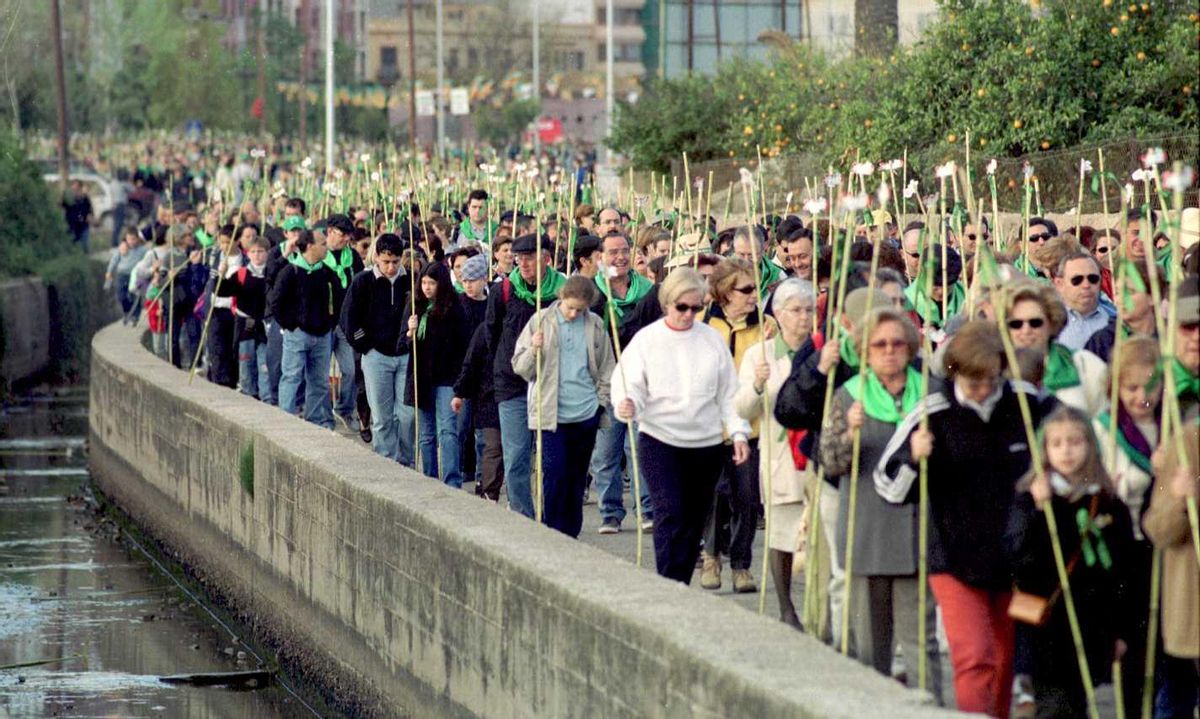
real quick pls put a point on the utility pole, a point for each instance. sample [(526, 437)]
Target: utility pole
[(717, 28), (609, 54), (783, 16), (691, 32), (537, 78), (305, 31), (662, 38), (61, 88), (260, 34), (412, 78), (441, 79), (329, 129)]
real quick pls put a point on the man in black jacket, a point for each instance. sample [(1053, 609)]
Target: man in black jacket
[(371, 320), (301, 301), (277, 258), (510, 306), (345, 263)]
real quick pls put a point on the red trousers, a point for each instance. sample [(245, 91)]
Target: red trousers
[(980, 633)]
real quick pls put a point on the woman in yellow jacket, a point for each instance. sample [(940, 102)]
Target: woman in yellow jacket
[(734, 517)]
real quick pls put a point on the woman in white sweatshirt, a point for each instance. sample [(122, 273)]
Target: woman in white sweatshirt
[(677, 379)]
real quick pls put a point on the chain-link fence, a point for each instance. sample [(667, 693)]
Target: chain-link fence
[(1056, 172)]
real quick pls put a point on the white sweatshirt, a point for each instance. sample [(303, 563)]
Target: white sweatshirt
[(682, 383)]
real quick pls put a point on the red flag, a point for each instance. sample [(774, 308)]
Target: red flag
[(257, 108)]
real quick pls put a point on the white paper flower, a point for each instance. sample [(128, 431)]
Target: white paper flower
[(815, 206), (306, 163), (1127, 192), (364, 157), (431, 176), (1027, 170), (1085, 166), (338, 173), (374, 177), (910, 190), (854, 203), (746, 175), (787, 201), (1178, 181), (883, 194), (946, 170), (833, 179), (698, 183), (863, 169), (931, 200), (1154, 156), (892, 165), (1140, 176), (519, 167), (258, 153), (991, 166), (402, 198)]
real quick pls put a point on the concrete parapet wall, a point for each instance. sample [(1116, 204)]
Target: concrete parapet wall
[(394, 587), (24, 329)]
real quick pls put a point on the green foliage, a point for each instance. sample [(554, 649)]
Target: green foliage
[(1020, 77), (503, 125), (246, 468), (33, 227)]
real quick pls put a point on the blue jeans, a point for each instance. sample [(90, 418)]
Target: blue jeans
[(275, 357), (391, 419), (306, 357), (612, 443), (252, 370), (465, 424), (517, 442), (344, 354), (440, 449)]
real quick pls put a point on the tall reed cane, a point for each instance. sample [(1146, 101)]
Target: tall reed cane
[(633, 439), (211, 307)]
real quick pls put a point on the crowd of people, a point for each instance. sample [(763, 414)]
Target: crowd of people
[(900, 407)]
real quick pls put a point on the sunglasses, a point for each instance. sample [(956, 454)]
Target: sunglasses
[(888, 345), (972, 237), (914, 255), (1033, 323), (1040, 237), (683, 308), (744, 289), (1092, 279), (1102, 250)]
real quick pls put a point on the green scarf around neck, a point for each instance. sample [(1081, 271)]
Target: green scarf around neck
[(1138, 459), (639, 287), (931, 311), (552, 280), (206, 240), (423, 322), (769, 274), (300, 261), (1186, 383), (878, 403), (1060, 369), (340, 266), (847, 350)]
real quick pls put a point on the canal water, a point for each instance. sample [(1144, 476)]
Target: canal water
[(94, 619)]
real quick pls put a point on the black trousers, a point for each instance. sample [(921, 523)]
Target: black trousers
[(733, 520), (222, 348), (566, 453), (681, 482)]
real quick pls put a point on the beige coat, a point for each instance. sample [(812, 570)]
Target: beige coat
[(1166, 524), (600, 363)]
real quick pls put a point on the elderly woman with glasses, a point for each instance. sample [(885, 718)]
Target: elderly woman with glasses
[(762, 371), (677, 379), (1035, 315), (733, 314)]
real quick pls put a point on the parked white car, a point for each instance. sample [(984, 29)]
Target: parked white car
[(100, 189)]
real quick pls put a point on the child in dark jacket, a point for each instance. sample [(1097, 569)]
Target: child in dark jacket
[(1096, 535), (247, 285)]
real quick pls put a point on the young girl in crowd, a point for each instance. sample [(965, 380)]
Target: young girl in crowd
[(576, 365), (438, 333), (1096, 535)]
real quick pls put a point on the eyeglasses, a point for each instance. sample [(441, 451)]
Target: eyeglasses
[(914, 255), (972, 237), (1092, 279), (888, 345), (1102, 250), (1040, 237), (744, 289), (682, 308), (1034, 323)]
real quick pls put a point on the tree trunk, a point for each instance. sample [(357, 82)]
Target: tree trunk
[(876, 27)]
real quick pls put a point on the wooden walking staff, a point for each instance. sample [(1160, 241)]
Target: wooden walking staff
[(1039, 470), (539, 478), (412, 304), (633, 439)]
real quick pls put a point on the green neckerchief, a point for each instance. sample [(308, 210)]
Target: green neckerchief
[(458, 286), (1186, 383), (768, 274), (639, 286), (1060, 369), (1139, 460), (341, 266), (1163, 259), (1023, 264), (298, 260), (878, 403), (782, 349), (205, 239), (931, 311), (423, 321), (467, 231), (847, 350), (552, 280), (1089, 532)]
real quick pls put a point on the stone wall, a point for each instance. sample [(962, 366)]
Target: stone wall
[(419, 599), (24, 330)]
